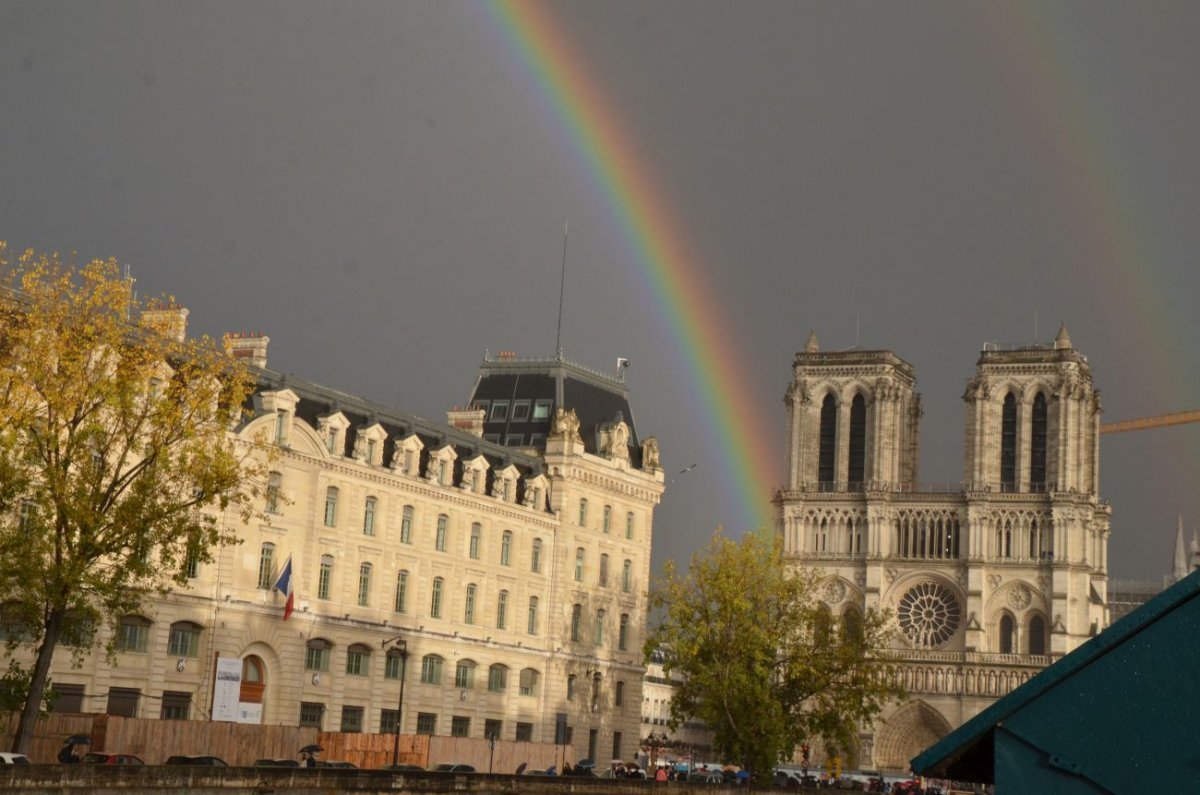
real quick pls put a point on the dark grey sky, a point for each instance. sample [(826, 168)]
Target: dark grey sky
[(381, 187)]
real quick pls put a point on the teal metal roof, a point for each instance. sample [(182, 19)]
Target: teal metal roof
[(969, 752)]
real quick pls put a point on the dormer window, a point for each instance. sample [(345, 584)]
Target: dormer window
[(332, 428), (441, 466), (475, 475), (281, 426), (407, 456), (368, 444), (282, 404), (500, 410)]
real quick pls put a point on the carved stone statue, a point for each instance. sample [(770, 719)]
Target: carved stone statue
[(618, 441), (650, 459), (360, 447), (566, 423)]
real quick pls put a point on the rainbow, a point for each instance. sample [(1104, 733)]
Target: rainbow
[(674, 273)]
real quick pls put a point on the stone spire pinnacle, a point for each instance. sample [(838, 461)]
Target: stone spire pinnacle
[(1181, 563), (812, 346), (1063, 340)]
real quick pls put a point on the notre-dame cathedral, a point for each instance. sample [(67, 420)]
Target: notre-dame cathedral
[(988, 582)]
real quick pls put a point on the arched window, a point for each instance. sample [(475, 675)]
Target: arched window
[(184, 640), (254, 680), (364, 584), (828, 440), (469, 605), (394, 663), (506, 548), (497, 678), (1037, 444), (401, 591), (529, 681), (1008, 444), (627, 576), (857, 466), (535, 556), (331, 498), (579, 553), (369, 517), (324, 576), (1006, 634), (623, 632), (1037, 635), (435, 598), (576, 617), (476, 537), (531, 623), (464, 675), (823, 625), (604, 570), (266, 565), (439, 540), (406, 523), (358, 660), (316, 655), (502, 610), (431, 669)]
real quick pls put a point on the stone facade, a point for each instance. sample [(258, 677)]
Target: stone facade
[(521, 609), (989, 580)]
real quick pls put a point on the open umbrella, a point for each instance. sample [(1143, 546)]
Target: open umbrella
[(79, 739), (586, 764), (311, 749), (521, 767)]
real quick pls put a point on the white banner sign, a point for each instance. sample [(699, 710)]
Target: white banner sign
[(228, 689)]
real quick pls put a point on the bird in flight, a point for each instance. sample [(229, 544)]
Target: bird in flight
[(685, 470)]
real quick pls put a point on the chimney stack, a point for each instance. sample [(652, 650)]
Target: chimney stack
[(250, 347), (168, 319), (469, 420)]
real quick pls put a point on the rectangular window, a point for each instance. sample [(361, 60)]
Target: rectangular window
[(431, 670), (535, 556), (579, 553), (629, 525), (514, 440), (426, 723), (439, 542), (388, 721), (529, 680), (460, 726), (266, 566), (324, 577), (331, 498), (502, 610), (316, 659), (506, 549), (352, 719), (524, 733), (493, 728), (500, 410), (356, 663), (406, 523), (67, 698), (497, 678), (280, 426), (435, 598), (401, 591), (133, 635), (541, 410), (311, 714), (274, 483), (391, 666), (616, 749), (464, 675), (191, 565), (606, 523), (369, 517), (175, 705), (493, 438), (123, 701), (364, 585), (520, 411), (536, 439), (469, 605), (476, 533)]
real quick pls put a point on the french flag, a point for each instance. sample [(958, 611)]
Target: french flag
[(284, 586)]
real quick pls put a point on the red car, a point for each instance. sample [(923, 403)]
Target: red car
[(96, 758)]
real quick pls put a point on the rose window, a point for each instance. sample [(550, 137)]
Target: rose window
[(928, 614)]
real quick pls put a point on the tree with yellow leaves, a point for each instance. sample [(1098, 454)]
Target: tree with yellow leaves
[(757, 655), (115, 463)]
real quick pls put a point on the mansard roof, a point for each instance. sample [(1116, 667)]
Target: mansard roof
[(598, 399)]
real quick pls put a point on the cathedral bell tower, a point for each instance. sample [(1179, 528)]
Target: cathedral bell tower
[(852, 420), (1033, 421)]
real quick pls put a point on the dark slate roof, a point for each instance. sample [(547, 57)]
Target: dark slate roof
[(967, 753), (317, 401), (597, 398)]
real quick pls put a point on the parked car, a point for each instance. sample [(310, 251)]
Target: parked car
[(207, 761), (276, 763), (98, 758), (452, 767), (400, 767), (335, 763), (7, 758)]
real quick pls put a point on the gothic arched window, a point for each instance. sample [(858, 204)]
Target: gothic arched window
[(825, 457), (1037, 448), (1037, 635), (1008, 444), (856, 470), (1006, 634)]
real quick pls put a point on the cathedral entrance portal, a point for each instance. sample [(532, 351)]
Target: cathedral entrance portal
[(909, 731)]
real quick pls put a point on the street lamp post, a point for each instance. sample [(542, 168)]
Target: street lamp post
[(401, 646)]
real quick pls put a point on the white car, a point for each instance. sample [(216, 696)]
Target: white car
[(7, 758)]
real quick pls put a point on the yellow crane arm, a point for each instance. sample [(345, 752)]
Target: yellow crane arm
[(1144, 423)]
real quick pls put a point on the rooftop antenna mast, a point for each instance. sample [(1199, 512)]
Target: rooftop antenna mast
[(562, 284)]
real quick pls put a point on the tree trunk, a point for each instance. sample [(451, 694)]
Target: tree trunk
[(37, 686)]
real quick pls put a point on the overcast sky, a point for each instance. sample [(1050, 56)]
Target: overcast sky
[(381, 187)]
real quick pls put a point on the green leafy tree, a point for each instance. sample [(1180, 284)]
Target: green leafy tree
[(759, 657), (115, 461)]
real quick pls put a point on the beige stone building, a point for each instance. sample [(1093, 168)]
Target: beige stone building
[(506, 551), (989, 580)]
